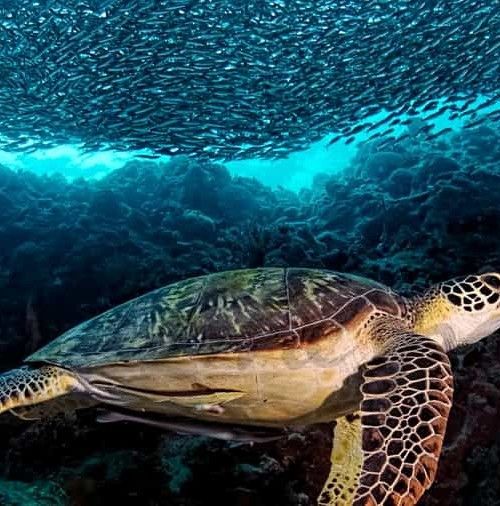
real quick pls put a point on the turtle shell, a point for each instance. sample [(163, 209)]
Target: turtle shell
[(233, 311)]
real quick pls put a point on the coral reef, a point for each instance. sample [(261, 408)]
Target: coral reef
[(420, 213)]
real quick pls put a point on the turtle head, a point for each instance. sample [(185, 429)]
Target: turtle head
[(460, 311)]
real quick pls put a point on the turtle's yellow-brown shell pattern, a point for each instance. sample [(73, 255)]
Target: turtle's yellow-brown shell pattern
[(234, 311)]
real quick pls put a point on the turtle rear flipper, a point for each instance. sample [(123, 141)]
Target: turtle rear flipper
[(346, 460), (64, 404), (395, 446), (27, 386)]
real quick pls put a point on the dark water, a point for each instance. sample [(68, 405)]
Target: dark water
[(402, 99)]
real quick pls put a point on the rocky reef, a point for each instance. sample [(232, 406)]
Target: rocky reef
[(406, 215)]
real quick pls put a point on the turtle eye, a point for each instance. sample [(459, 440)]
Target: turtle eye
[(492, 281)]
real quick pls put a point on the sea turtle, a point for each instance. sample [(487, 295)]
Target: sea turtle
[(247, 353)]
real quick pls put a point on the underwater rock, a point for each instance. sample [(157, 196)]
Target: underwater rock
[(239, 203), (106, 203), (332, 240), (380, 165), (435, 168), (480, 143), (193, 224), (400, 183), (5, 203), (39, 493), (201, 185)]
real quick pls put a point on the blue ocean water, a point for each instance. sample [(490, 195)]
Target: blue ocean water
[(146, 142)]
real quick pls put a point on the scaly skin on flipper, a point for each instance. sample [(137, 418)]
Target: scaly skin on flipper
[(407, 396), (27, 386), (346, 460)]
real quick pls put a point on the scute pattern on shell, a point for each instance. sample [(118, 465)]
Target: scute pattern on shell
[(234, 311)]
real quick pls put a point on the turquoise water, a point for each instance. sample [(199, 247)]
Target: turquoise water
[(293, 172)]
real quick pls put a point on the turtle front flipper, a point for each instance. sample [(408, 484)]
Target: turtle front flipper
[(27, 386), (407, 395), (406, 399)]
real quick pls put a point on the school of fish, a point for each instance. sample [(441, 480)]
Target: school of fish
[(233, 79)]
